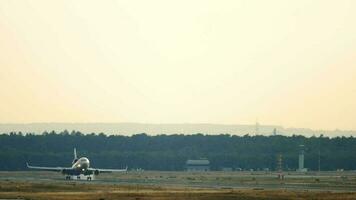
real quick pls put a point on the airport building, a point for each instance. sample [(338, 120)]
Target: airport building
[(202, 165)]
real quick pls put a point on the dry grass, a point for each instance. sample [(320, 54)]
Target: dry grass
[(179, 186), (84, 191)]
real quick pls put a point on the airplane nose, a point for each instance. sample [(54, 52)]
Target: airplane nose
[(85, 163)]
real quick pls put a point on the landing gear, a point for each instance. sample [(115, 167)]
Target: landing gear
[(80, 177)]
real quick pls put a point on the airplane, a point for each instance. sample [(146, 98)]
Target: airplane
[(80, 166)]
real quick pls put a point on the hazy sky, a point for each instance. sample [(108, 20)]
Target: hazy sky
[(291, 63)]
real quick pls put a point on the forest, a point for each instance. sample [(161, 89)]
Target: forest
[(170, 152)]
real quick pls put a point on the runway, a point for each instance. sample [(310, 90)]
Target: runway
[(311, 181)]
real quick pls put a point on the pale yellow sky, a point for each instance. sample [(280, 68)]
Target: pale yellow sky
[(289, 63)]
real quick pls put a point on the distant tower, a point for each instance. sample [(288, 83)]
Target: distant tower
[(279, 163), (257, 127), (274, 132), (301, 159), (279, 168)]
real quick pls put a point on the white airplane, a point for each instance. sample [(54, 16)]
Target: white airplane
[(79, 167)]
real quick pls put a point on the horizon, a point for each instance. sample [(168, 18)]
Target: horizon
[(129, 129)]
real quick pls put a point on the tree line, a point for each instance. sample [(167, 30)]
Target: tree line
[(170, 152)]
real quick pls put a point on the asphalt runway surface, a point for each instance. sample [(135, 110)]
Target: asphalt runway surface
[(310, 181)]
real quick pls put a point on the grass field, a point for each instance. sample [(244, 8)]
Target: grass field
[(179, 185)]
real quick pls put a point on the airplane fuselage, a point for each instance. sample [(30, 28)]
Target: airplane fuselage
[(82, 164)]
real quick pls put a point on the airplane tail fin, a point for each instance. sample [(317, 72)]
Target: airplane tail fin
[(75, 154)]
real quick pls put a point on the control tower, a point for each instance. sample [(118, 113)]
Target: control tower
[(301, 159)]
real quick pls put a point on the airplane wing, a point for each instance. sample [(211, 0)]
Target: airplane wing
[(108, 170), (54, 169)]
